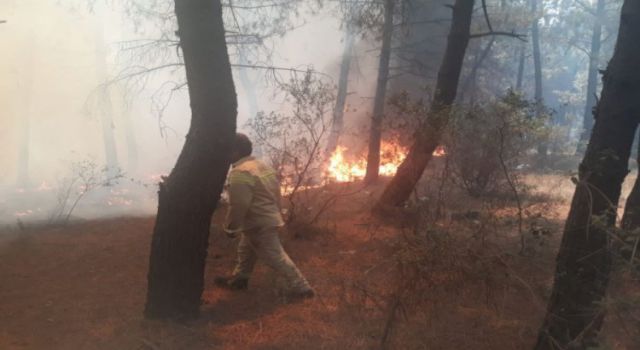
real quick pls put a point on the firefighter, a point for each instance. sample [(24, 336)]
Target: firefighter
[(254, 214)]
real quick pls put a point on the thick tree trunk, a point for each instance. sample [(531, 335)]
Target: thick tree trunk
[(373, 158), (428, 136), (341, 99), (574, 316), (537, 71), (188, 197), (631, 215), (592, 77)]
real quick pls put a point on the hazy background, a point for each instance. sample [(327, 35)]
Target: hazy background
[(56, 54)]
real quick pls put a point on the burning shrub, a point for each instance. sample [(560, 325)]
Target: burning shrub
[(488, 142), (292, 140), (341, 168)]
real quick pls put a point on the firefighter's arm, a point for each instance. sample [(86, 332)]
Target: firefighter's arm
[(240, 196)]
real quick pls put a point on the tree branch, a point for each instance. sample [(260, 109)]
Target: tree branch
[(499, 33), (486, 15)]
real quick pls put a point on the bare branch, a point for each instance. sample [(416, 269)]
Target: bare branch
[(486, 15), (274, 4), (499, 33), (276, 68)]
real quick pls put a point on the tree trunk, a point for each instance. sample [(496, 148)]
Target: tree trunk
[(105, 106), (22, 176), (520, 68), (373, 158), (537, 71), (341, 99), (478, 61), (574, 315), (130, 134), (631, 215), (188, 197), (249, 88), (23, 179), (592, 78), (428, 136)]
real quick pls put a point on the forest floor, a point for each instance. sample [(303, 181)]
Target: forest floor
[(83, 286)]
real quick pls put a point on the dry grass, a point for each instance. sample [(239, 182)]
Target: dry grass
[(83, 286)]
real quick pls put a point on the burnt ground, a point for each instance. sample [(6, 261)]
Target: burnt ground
[(83, 286)]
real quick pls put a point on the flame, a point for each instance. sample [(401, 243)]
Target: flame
[(439, 152), (23, 213), (340, 169)]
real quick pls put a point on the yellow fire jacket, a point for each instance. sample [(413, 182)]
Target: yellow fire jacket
[(254, 196)]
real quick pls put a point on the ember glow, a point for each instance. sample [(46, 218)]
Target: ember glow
[(23, 213), (439, 152), (342, 169)]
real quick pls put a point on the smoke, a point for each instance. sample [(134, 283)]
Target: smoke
[(55, 115)]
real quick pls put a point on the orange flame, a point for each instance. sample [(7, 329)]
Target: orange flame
[(342, 170), (392, 155), (439, 152)]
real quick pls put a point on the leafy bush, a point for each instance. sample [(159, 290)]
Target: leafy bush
[(485, 140)]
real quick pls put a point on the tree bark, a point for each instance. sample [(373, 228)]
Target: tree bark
[(341, 99), (428, 136), (574, 315), (592, 77), (537, 71), (189, 195), (373, 158), (631, 215)]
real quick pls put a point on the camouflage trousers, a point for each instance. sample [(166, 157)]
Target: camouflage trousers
[(264, 243)]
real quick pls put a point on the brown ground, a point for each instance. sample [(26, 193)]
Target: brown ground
[(83, 287)]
